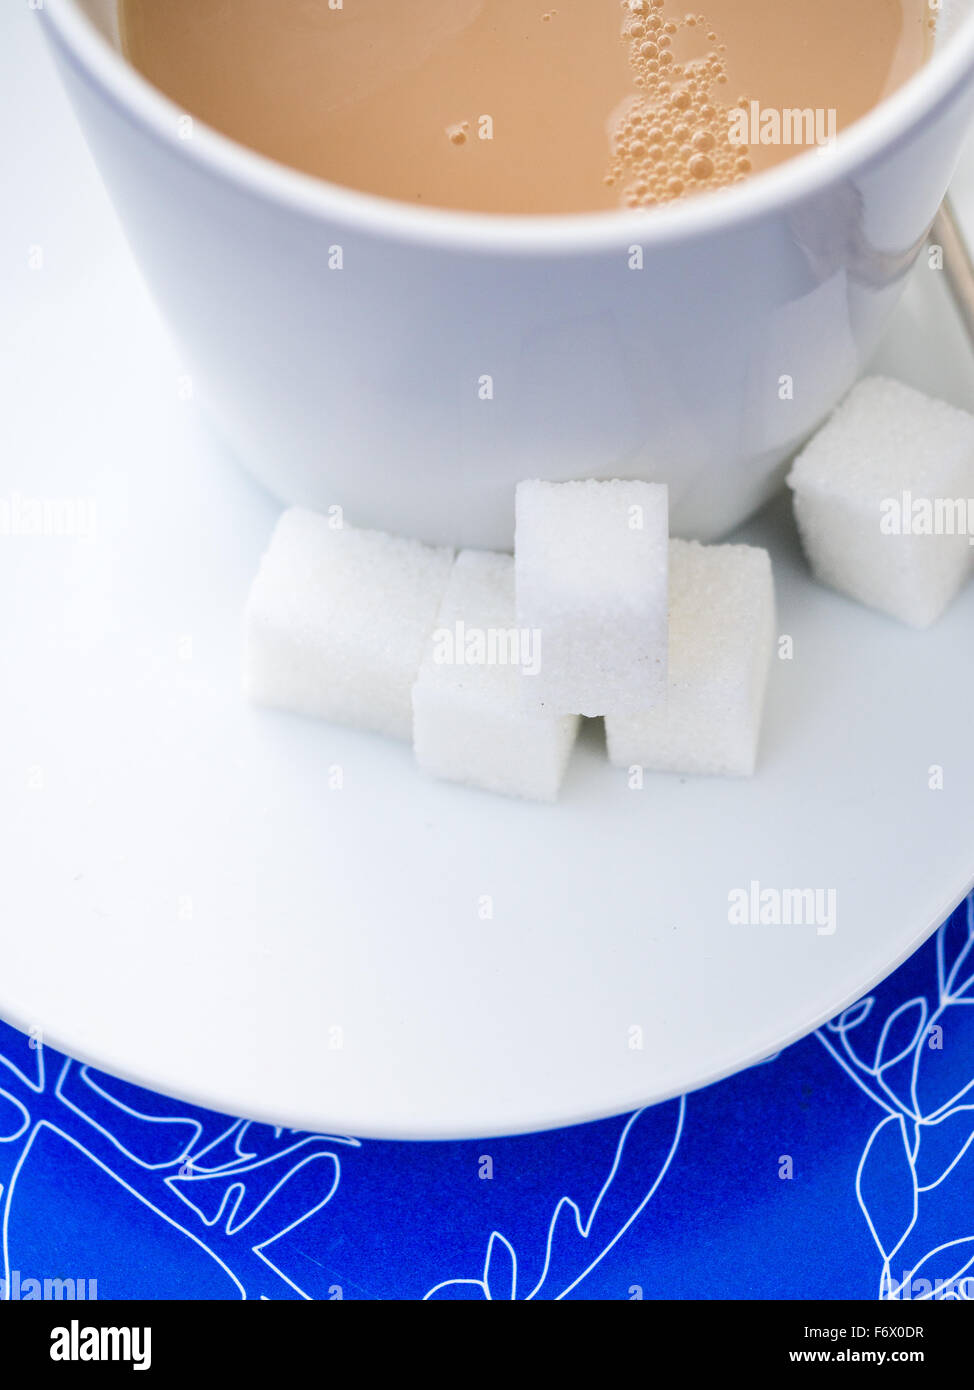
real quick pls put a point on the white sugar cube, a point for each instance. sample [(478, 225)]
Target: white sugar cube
[(469, 722), (884, 500), (337, 620), (722, 629), (591, 564)]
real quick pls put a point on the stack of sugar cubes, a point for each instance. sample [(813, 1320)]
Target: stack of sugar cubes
[(670, 640), (488, 661)]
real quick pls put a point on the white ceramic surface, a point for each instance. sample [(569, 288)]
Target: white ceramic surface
[(187, 905), (361, 386)]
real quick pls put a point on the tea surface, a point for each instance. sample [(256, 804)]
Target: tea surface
[(506, 106)]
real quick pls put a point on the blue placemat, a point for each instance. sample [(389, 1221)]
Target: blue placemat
[(843, 1168)]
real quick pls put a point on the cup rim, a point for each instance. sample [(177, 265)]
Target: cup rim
[(921, 97)]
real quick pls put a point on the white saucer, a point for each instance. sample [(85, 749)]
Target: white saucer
[(187, 904)]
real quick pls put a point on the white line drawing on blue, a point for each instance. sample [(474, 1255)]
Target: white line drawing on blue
[(24, 1125), (898, 1205), (234, 1195), (86, 1075), (11, 1192), (503, 1282), (254, 1163), (37, 1085)]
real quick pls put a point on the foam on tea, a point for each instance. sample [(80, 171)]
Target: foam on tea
[(508, 106)]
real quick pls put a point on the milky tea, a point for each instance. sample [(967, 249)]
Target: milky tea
[(507, 106)]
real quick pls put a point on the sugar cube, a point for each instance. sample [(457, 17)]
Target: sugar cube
[(469, 722), (337, 620), (591, 566), (722, 621), (884, 500)]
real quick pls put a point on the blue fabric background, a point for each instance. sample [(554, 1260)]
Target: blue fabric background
[(843, 1168)]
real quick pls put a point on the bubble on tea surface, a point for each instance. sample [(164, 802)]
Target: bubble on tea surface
[(674, 135)]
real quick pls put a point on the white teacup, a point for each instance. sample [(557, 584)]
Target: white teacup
[(412, 365)]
